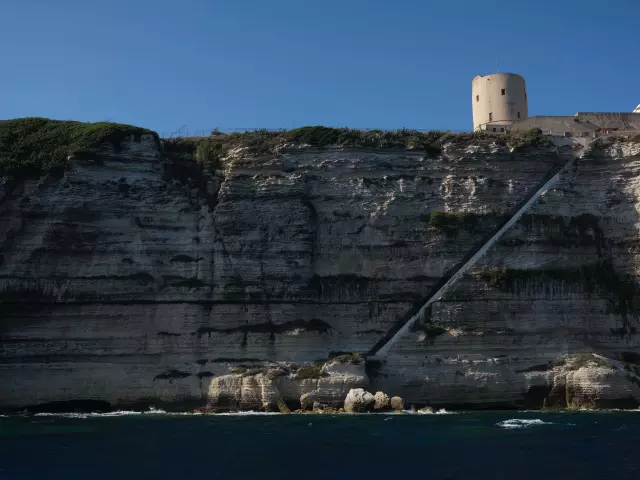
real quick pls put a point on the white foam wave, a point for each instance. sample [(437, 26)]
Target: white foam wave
[(245, 414), (442, 411), (119, 413), (521, 423), (160, 412)]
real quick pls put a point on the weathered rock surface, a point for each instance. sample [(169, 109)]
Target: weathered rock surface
[(135, 280), (396, 403), (381, 401), (308, 400), (358, 400), (586, 381), (319, 407)]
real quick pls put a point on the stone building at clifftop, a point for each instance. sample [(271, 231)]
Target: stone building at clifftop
[(500, 106)]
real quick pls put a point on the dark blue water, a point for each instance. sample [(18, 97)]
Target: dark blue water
[(303, 447)]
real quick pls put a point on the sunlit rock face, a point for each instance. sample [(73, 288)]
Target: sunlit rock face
[(140, 281)]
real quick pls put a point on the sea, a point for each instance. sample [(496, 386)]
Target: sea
[(443, 445)]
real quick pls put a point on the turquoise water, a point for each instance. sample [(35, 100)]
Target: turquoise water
[(487, 445)]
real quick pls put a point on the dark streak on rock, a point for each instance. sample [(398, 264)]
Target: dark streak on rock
[(169, 334), (313, 325), (170, 228), (367, 332), (177, 281), (185, 259), (234, 360), (172, 375)]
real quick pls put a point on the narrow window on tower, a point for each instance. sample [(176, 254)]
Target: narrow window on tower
[(490, 117), (518, 114), (504, 90), (477, 98)]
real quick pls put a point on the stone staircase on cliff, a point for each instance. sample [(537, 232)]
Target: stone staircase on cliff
[(405, 325)]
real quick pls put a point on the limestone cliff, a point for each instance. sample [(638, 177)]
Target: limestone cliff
[(139, 278)]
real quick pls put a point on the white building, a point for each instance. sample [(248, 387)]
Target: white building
[(498, 101), (500, 106)]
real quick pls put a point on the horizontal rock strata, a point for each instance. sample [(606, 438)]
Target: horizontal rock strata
[(136, 279)]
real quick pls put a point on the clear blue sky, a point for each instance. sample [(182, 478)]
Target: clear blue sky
[(284, 63)]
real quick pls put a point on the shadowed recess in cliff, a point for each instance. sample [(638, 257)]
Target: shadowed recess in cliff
[(451, 224), (313, 325), (601, 279), (171, 375), (355, 284), (583, 230)]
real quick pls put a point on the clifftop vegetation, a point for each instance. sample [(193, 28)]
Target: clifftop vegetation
[(210, 150), (32, 146)]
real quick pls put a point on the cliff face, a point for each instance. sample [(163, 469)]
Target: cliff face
[(561, 282), (137, 279)]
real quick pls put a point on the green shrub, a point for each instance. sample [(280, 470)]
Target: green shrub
[(33, 146), (452, 223), (309, 372), (526, 138), (181, 145), (507, 279), (354, 358), (264, 142), (433, 330), (205, 155)]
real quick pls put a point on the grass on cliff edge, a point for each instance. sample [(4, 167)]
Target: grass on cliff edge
[(210, 150), (33, 146)]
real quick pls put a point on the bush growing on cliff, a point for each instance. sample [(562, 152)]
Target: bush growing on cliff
[(264, 142), (443, 220), (432, 330), (32, 146), (506, 278), (527, 138), (310, 371), (187, 145), (354, 358), (211, 150), (452, 223)]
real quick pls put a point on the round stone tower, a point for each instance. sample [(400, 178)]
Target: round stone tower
[(499, 99)]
